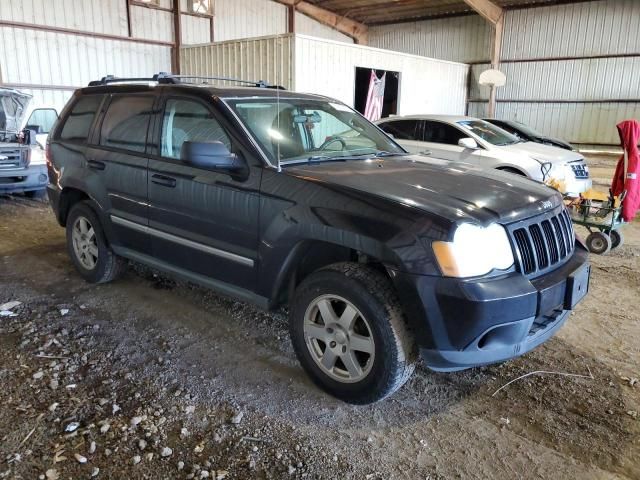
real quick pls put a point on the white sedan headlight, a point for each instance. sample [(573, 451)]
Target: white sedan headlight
[(474, 251)]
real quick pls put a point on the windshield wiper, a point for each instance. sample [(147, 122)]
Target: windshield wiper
[(383, 153)]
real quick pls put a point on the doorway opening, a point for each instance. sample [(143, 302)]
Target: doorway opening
[(391, 90)]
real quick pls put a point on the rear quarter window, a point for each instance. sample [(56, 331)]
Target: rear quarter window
[(78, 123), (126, 122)]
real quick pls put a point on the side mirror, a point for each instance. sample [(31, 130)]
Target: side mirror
[(390, 135), (469, 143), (212, 155)]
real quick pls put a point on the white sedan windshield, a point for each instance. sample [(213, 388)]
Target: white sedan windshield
[(489, 132)]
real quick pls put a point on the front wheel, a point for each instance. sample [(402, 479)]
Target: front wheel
[(88, 247), (349, 333)]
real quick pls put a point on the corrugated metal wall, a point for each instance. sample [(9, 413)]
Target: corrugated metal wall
[(459, 39), (303, 64), (579, 99), (264, 58), (52, 63), (236, 19)]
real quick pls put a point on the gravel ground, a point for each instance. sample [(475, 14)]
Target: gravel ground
[(151, 378)]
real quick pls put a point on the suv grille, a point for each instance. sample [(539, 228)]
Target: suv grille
[(544, 242)]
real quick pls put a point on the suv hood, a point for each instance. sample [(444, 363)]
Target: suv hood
[(452, 190), (544, 153), (13, 108)]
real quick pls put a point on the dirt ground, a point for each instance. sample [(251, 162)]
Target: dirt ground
[(151, 378)]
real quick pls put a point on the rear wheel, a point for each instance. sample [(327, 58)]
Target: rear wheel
[(598, 243), (88, 248), (617, 239), (349, 334)]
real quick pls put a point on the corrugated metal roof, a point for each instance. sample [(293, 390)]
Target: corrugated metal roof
[(376, 12)]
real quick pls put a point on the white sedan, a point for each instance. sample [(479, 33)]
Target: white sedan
[(475, 141)]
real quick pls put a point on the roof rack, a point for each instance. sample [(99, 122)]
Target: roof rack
[(168, 78)]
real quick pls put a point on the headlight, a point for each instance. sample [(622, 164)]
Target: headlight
[(474, 251)]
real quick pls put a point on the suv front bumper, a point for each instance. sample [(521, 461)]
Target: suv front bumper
[(481, 321)]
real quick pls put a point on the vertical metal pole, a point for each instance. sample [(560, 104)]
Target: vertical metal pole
[(495, 62), (291, 13), (177, 37), (129, 29)]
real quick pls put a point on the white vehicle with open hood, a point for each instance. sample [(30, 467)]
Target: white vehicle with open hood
[(23, 134), (475, 141)]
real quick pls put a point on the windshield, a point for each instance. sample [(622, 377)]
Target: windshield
[(526, 129), (300, 130), (489, 132)]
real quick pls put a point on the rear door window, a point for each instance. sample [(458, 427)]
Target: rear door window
[(78, 122), (438, 132), (126, 122), (401, 129)]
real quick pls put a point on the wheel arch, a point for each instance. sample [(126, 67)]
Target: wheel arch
[(311, 255), (512, 169), (69, 196)]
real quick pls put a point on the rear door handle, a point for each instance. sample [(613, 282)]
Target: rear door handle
[(96, 165), (426, 152), (163, 180)]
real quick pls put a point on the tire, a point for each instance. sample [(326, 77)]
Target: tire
[(385, 352), (617, 239), (598, 243), (105, 265)]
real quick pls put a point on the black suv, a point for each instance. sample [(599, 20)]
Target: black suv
[(282, 198)]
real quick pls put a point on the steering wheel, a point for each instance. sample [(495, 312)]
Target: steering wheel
[(331, 140)]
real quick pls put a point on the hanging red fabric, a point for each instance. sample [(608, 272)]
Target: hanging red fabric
[(628, 169), (375, 97)]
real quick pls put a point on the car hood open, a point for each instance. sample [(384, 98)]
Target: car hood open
[(543, 153), (13, 108), (452, 190)]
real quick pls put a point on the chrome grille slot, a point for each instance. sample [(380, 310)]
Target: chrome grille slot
[(10, 158), (543, 242), (526, 252), (553, 246), (539, 245)]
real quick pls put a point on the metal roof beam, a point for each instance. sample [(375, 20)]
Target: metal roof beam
[(355, 30), (487, 9)]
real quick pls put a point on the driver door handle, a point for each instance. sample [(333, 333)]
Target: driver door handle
[(96, 165), (163, 180), (426, 152)]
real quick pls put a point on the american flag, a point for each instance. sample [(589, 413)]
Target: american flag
[(375, 97)]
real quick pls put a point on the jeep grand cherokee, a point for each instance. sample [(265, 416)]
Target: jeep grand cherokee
[(282, 198)]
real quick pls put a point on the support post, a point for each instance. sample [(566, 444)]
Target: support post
[(291, 19), (129, 29), (177, 37), (495, 63), (494, 14)]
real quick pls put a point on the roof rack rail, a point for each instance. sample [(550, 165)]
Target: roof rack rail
[(168, 78), (259, 83), (161, 77)]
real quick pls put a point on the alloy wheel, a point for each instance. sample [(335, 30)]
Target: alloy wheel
[(339, 338), (85, 243)]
